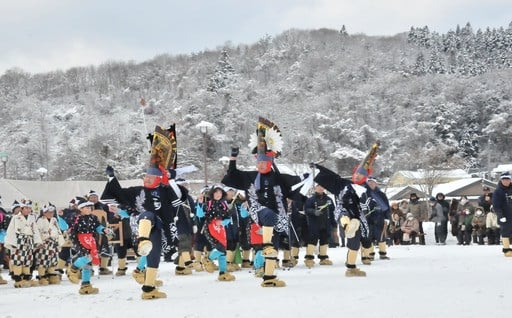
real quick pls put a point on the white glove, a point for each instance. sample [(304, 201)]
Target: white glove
[(194, 229), (503, 220), (386, 221), (145, 247), (352, 227)]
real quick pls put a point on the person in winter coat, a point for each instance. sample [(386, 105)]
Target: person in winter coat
[(397, 218), (492, 228), (502, 204), (319, 209), (465, 216), (439, 216), (21, 238), (478, 224), (419, 211), (410, 229), (47, 255), (485, 200)]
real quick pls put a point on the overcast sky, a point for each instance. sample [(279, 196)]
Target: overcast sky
[(45, 35)]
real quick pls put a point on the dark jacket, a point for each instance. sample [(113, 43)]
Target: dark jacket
[(319, 210), (501, 202)]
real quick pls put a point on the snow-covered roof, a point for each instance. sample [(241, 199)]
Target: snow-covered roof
[(502, 168), (454, 185), (421, 173), (396, 193)]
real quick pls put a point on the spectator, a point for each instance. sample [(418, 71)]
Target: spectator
[(478, 224), (492, 228), (485, 200), (397, 218), (465, 216), (439, 217), (410, 229), (419, 211)]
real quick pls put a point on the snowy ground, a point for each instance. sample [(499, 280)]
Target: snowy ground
[(419, 281)]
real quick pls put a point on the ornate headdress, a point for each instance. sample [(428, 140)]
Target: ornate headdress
[(365, 168), (164, 147), (267, 143)]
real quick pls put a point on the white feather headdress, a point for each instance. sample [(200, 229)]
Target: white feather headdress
[(270, 134)]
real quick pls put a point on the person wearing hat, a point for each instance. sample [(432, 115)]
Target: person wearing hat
[(267, 190), (46, 256), (502, 204), (86, 256), (156, 201), (378, 220), (420, 213), (351, 211), (21, 239), (15, 209)]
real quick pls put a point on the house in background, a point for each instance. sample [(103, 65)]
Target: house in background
[(422, 176), (496, 172), (470, 187), (401, 193)]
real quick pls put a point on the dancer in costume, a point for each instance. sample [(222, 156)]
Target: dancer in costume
[(156, 201), (350, 206), (47, 255), (21, 238), (319, 210), (217, 218), (186, 226), (87, 255), (378, 218), (266, 191)]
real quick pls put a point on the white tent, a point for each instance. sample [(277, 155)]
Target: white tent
[(57, 192)]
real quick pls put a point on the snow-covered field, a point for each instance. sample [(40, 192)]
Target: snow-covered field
[(419, 281)]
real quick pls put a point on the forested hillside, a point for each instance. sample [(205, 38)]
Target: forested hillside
[(434, 100)]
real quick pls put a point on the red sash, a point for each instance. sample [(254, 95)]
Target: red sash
[(218, 232), (87, 240), (256, 238)]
